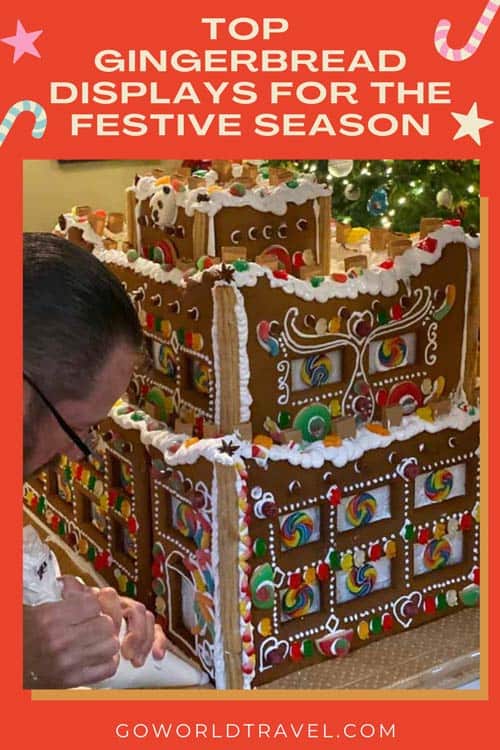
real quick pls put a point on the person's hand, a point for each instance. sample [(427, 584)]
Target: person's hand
[(142, 634), (70, 642)]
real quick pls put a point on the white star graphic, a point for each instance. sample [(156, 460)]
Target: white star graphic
[(470, 124)]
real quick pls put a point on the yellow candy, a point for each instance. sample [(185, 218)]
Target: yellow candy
[(85, 477), (160, 605), (197, 342), (83, 546), (356, 235), (440, 383), (377, 428), (104, 502), (166, 327), (363, 630), (347, 562), (126, 509), (334, 325), (163, 180), (263, 440), (335, 408), (439, 530), (332, 441), (265, 627), (390, 548), (122, 583), (425, 413), (191, 441), (310, 575)]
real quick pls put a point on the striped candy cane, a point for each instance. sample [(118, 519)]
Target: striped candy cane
[(26, 105), (475, 39)]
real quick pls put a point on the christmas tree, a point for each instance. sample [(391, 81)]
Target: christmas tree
[(396, 194)]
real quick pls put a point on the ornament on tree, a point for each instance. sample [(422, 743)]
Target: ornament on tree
[(444, 198), (340, 167), (352, 192), (377, 202), (461, 209)]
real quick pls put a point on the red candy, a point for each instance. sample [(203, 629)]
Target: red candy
[(428, 244), (280, 274), (295, 652), (387, 264), (429, 605), (466, 522), (375, 552), (423, 536), (294, 580), (334, 496)]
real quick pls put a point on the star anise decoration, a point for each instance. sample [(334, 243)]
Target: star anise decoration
[(227, 447), (225, 273)]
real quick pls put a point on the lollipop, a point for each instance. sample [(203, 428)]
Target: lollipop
[(316, 370), (361, 509), (437, 554), (360, 581), (125, 475), (407, 395), (267, 342), (166, 361), (201, 376), (262, 587), (189, 523), (296, 529), (392, 352), (298, 602), (438, 485), (314, 422)]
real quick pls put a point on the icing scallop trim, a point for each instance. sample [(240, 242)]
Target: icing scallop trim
[(141, 266), (265, 199), (314, 455)]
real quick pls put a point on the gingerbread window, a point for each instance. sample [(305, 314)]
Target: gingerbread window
[(393, 352), (316, 370)]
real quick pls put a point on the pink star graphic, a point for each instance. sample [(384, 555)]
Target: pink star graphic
[(23, 42)]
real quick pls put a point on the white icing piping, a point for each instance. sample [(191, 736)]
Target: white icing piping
[(460, 394), (219, 663), (211, 237), (216, 361), (244, 365), (141, 266), (316, 218), (311, 455)]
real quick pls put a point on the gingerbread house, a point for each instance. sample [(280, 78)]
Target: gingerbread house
[(308, 440)]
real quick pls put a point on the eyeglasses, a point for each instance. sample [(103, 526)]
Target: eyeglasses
[(87, 448)]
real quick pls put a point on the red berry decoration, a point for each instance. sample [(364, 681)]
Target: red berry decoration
[(387, 264), (387, 622), (428, 244), (396, 311), (295, 652), (375, 551), (429, 605), (323, 572), (423, 536), (280, 273), (466, 522), (294, 580), (334, 495)]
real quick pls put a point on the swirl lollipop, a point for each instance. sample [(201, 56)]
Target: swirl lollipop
[(185, 520), (316, 370), (437, 554), (298, 602), (361, 509), (262, 587), (438, 485), (125, 475), (201, 376), (360, 581), (392, 352), (296, 529), (166, 361)]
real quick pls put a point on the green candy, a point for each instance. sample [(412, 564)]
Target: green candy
[(469, 596), (409, 532), (262, 587), (308, 648), (376, 625), (241, 265), (260, 547), (334, 560), (292, 183), (317, 280), (284, 419), (314, 422), (132, 255), (441, 601)]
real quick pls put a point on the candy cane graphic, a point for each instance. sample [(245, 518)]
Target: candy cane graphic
[(26, 105), (475, 39)]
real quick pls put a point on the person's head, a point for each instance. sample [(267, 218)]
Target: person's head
[(81, 339)]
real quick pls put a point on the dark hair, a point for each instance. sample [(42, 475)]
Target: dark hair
[(75, 313)]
